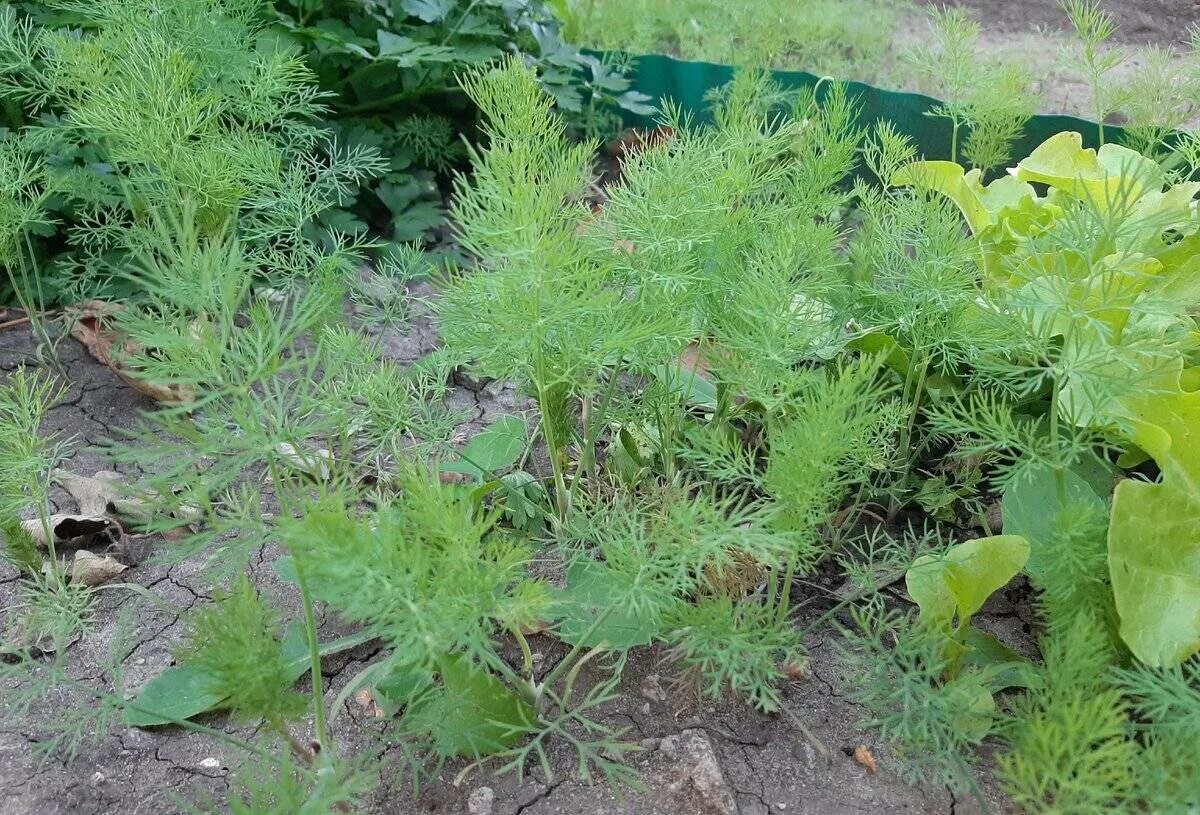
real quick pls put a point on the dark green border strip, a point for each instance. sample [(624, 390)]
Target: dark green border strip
[(689, 83)]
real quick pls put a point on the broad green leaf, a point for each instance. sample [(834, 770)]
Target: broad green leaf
[(1001, 666), (400, 688), (182, 691), (1155, 213), (960, 581), (1032, 510), (469, 713), (407, 52), (1008, 195), (977, 710), (496, 448), (596, 592), (525, 500), (689, 383), (1154, 532), (877, 342), (430, 11), (176, 694)]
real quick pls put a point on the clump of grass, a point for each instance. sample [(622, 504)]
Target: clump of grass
[(846, 39)]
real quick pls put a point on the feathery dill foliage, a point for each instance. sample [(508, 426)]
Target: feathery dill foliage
[(190, 106), (1158, 96), (543, 309), (1068, 745), (49, 607), (423, 572), (734, 647), (1165, 705), (718, 237), (566, 300), (236, 643), (933, 725)]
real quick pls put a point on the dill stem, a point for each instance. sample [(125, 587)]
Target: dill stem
[(314, 655), (526, 652), (593, 423), (565, 662), (913, 388), (310, 630), (1060, 479)]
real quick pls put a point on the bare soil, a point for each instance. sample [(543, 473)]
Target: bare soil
[(1142, 22)]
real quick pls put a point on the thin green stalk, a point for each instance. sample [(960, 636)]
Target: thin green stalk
[(913, 389), (593, 424), (1060, 479), (562, 496), (573, 674), (526, 652), (310, 626), (314, 655), (566, 662)]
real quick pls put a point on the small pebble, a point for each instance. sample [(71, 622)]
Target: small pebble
[(480, 801), (652, 689), (210, 764), (97, 777)]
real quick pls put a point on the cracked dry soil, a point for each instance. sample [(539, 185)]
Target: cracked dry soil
[(697, 757)]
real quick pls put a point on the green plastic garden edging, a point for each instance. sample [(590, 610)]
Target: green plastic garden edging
[(689, 83)]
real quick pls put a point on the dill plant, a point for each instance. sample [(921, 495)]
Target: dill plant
[(988, 101), (191, 106), (51, 608), (715, 238)]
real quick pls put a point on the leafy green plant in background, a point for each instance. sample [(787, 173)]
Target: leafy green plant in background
[(390, 68)]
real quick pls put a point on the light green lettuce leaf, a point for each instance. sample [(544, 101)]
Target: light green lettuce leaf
[(1154, 533)]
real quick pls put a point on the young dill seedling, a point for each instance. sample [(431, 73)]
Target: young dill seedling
[(932, 725), (1095, 26), (990, 98), (51, 606)]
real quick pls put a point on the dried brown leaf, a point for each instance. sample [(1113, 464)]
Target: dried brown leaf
[(864, 756), (91, 569), (93, 327)]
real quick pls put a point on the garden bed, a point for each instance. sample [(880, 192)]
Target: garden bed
[(696, 756), (436, 482)]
